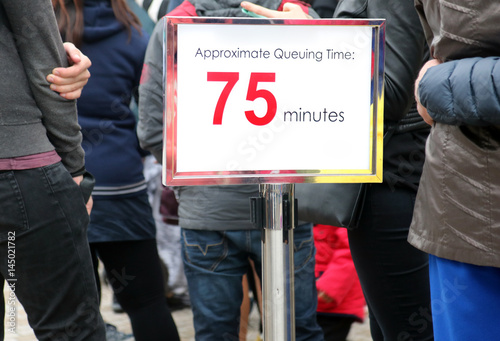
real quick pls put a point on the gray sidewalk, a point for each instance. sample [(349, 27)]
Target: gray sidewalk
[(183, 319)]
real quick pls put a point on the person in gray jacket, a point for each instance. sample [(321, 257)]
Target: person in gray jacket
[(217, 236), (457, 216), (44, 186)]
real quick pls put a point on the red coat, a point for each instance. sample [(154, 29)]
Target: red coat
[(335, 273)]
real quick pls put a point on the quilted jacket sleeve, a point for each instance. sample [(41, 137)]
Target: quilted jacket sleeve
[(465, 91)]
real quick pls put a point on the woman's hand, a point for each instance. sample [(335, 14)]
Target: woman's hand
[(78, 179), (421, 109), (290, 11), (324, 297), (70, 81)]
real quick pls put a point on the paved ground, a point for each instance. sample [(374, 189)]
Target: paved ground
[(183, 320)]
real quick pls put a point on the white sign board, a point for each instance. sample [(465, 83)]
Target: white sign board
[(273, 101)]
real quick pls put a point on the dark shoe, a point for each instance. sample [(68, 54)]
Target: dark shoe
[(178, 302), (112, 334)]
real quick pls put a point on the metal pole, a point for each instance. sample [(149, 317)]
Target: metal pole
[(277, 262)]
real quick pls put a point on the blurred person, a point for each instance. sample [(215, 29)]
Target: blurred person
[(168, 234), (172, 4), (147, 23), (393, 274), (218, 239), (252, 299), (168, 231), (122, 230), (340, 297), (156, 9), (44, 185), (456, 218)]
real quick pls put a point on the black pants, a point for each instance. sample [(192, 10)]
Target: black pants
[(335, 328), (134, 272), (45, 255), (394, 275)]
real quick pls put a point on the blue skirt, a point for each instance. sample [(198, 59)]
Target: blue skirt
[(465, 300), (122, 219)]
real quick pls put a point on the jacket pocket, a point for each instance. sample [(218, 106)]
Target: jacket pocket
[(453, 17), (469, 187)]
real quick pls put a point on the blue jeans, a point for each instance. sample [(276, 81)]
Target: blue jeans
[(44, 254), (214, 263)]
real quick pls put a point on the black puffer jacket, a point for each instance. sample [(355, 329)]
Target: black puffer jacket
[(405, 52)]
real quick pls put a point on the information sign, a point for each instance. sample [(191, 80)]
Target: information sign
[(272, 101)]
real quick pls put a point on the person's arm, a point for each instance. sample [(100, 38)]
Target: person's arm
[(41, 50), (465, 91), (150, 124), (404, 48), (340, 275), (69, 81), (290, 11)]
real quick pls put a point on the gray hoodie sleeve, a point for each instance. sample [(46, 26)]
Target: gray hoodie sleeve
[(150, 125), (40, 48)]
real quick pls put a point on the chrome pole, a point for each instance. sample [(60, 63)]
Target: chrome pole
[(277, 262)]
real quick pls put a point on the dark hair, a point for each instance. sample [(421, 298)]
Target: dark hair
[(69, 14)]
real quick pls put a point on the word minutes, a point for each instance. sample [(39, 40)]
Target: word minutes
[(313, 116)]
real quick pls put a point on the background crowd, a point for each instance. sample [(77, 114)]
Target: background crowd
[(75, 148)]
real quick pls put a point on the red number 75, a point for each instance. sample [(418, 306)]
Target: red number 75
[(255, 77)]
